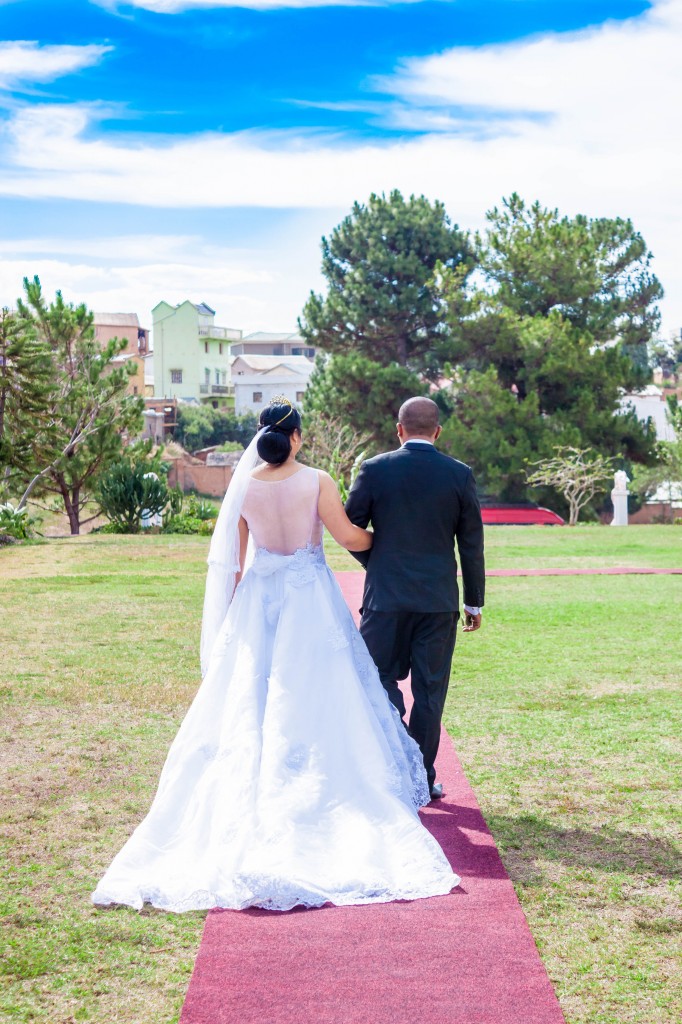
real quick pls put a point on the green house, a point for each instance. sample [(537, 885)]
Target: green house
[(191, 355)]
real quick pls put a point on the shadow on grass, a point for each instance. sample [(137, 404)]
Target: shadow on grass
[(603, 849), (527, 843)]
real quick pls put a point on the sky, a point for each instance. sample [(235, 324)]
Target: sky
[(200, 149)]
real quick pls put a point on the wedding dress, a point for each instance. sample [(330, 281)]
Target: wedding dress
[(292, 780)]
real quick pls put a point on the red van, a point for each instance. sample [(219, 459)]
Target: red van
[(519, 515)]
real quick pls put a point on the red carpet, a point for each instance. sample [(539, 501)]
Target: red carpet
[(466, 958)]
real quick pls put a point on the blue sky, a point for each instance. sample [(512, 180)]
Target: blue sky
[(192, 148)]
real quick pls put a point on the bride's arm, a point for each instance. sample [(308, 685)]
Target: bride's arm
[(333, 515), (243, 543)]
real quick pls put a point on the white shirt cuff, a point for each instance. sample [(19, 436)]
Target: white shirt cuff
[(472, 609)]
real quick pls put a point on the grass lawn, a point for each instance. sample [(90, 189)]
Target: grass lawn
[(565, 710)]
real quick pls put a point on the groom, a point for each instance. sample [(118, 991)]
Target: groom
[(419, 502)]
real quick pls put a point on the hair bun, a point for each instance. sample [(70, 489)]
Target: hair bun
[(274, 446)]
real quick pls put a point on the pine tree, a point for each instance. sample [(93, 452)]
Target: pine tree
[(93, 413), (27, 399), (545, 349), (380, 265)]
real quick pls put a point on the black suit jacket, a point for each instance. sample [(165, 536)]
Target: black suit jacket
[(419, 502)]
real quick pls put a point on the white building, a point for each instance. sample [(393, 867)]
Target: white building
[(650, 403), (272, 343), (258, 379)]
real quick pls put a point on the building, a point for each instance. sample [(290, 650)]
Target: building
[(650, 403), (122, 325), (268, 343), (191, 354), (257, 379), (136, 380)]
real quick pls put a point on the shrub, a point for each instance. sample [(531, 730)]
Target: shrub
[(189, 524), (16, 522), (131, 487)]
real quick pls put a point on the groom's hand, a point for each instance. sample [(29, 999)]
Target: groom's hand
[(471, 622)]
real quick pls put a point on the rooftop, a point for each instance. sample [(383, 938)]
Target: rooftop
[(263, 363), (117, 319), (272, 336)]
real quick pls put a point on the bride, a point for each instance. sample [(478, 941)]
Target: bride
[(292, 780)]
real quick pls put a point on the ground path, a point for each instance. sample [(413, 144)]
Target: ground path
[(607, 570), (466, 958)]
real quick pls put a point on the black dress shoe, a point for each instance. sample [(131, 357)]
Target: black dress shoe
[(436, 790)]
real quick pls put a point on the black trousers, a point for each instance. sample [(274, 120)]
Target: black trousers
[(421, 643)]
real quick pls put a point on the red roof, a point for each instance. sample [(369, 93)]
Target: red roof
[(519, 515)]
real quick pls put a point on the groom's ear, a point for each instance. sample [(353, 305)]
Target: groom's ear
[(439, 431)]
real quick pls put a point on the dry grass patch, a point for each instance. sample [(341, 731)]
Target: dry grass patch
[(73, 789)]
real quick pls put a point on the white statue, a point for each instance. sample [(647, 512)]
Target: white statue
[(619, 497), (148, 519)]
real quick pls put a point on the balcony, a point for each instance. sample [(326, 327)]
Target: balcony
[(222, 389), (221, 333)]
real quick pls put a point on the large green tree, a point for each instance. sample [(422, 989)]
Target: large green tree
[(595, 272), (382, 301), (92, 415), (545, 348)]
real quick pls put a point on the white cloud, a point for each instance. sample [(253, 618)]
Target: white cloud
[(250, 290), (23, 61), (584, 121)]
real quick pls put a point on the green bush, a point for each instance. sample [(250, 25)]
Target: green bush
[(201, 509), (16, 522), (189, 524)]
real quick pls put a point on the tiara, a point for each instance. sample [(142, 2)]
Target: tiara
[(282, 400)]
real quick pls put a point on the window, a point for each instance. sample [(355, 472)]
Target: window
[(207, 376), (220, 348), (205, 346), (224, 376), (176, 376), (257, 397), (134, 389), (217, 376), (299, 396)]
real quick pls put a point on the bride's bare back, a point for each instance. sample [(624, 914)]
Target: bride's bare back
[(282, 514)]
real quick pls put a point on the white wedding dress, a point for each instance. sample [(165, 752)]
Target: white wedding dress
[(292, 780)]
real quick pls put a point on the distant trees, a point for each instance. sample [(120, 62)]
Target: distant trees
[(529, 353), (203, 426), (546, 345)]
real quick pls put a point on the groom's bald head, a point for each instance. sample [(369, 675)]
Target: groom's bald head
[(419, 418)]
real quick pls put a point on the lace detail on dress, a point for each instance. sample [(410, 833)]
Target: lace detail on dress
[(337, 639)]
